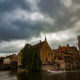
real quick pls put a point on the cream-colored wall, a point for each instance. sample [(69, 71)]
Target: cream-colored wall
[(6, 61), (62, 64)]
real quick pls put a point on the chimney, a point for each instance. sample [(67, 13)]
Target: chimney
[(59, 46)]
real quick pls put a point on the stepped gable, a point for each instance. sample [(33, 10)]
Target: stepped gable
[(39, 45)]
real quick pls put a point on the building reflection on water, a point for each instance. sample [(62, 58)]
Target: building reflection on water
[(44, 75)]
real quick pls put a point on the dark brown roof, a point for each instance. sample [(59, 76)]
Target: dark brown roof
[(39, 45)]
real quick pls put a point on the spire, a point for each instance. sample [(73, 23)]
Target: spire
[(45, 38)]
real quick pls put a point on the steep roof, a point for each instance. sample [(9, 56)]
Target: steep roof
[(39, 45)]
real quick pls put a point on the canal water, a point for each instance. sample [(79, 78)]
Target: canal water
[(43, 75), (6, 75)]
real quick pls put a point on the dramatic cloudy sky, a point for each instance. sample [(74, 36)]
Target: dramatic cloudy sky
[(28, 21)]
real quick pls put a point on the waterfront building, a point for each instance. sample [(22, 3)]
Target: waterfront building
[(11, 59), (64, 57), (14, 59), (59, 62), (7, 60), (69, 55), (44, 50)]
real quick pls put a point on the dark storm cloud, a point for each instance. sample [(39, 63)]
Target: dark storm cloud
[(8, 5), (18, 21), (63, 20), (50, 7), (25, 29)]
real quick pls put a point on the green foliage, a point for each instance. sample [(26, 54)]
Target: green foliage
[(31, 58), (1, 60)]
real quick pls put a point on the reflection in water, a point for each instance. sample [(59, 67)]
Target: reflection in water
[(5, 75), (30, 76), (44, 75), (73, 75)]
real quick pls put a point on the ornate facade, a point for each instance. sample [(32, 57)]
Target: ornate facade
[(70, 55)]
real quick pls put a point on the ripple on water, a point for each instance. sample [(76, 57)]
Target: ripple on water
[(4, 75)]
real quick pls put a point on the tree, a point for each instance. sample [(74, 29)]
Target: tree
[(31, 58), (1, 60)]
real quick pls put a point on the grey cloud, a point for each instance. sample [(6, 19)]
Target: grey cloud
[(50, 7), (26, 29), (76, 1), (9, 5), (12, 46), (63, 20), (11, 49), (71, 42)]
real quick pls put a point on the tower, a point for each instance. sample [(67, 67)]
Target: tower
[(45, 38)]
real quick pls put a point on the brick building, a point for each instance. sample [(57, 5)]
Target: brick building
[(44, 50), (64, 56), (70, 55)]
